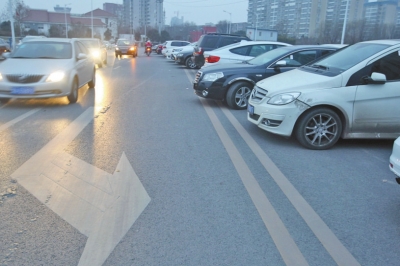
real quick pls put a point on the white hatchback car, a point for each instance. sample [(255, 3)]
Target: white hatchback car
[(169, 45), (239, 52), (46, 68), (394, 161), (353, 93)]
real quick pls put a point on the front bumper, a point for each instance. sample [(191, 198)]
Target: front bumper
[(277, 119), (124, 51), (213, 89), (394, 160), (40, 89)]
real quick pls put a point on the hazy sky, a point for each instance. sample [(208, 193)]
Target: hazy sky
[(198, 11)]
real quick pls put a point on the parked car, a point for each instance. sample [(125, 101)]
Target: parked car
[(238, 52), (183, 49), (211, 41), (353, 93), (46, 68), (169, 45), (126, 47), (394, 161), (234, 82), (185, 57), (4, 47), (96, 49)]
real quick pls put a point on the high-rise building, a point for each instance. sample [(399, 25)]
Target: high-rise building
[(113, 8), (143, 14)]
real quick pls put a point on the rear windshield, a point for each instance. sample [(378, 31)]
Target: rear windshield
[(48, 50)]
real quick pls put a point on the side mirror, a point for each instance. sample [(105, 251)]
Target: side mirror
[(278, 65), (82, 56), (375, 78)]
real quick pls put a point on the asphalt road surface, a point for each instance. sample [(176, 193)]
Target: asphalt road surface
[(142, 172)]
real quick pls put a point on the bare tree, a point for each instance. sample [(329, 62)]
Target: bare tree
[(21, 12)]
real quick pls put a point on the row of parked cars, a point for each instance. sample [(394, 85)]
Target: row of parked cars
[(322, 93)]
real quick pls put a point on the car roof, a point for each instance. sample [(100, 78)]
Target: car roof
[(50, 40)]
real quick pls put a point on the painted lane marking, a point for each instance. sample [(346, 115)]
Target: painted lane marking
[(19, 118), (100, 205), (328, 239), (283, 240)]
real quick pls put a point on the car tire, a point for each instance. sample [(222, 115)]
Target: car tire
[(238, 95), (4, 100), (73, 96), (189, 63), (92, 83), (318, 129)]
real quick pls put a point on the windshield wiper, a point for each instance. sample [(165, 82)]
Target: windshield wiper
[(46, 57), (320, 67), (21, 57)]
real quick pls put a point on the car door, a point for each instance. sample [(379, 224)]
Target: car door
[(377, 106), (83, 66)]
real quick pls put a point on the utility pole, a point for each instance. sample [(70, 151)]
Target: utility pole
[(344, 22), (10, 6), (91, 7)]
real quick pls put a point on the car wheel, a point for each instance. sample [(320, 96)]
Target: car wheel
[(73, 96), (238, 95), (92, 83), (319, 129), (189, 63), (4, 100)]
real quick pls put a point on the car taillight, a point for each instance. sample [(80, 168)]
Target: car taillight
[(212, 59)]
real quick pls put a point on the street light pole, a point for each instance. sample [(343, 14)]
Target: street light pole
[(66, 24), (230, 20), (91, 7), (344, 22), (255, 36), (12, 44)]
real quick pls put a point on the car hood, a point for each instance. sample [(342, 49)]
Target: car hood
[(33, 66), (298, 81), (227, 67)]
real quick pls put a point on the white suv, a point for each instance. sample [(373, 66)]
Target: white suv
[(169, 45), (353, 93)]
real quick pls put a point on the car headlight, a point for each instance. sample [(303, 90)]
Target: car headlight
[(213, 76), (116, 48), (284, 98), (96, 53), (1, 77), (56, 76), (132, 48)]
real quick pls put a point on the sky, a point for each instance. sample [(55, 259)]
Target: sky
[(197, 11)]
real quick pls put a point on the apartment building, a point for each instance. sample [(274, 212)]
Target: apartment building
[(143, 14)]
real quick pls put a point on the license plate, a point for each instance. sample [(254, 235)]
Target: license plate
[(22, 90), (250, 109)]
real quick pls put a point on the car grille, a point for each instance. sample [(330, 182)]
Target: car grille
[(24, 78), (258, 94), (198, 76)]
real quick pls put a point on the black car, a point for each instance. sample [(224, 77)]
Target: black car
[(125, 47), (185, 58), (213, 41), (234, 82)]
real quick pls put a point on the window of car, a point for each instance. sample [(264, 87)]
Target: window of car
[(175, 43), (123, 42), (83, 48), (260, 49), (209, 42), (228, 40), (299, 58), (240, 50), (49, 50)]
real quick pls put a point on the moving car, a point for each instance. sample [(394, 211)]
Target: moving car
[(238, 52), (353, 93), (394, 164), (211, 41), (126, 47), (46, 68), (4, 47), (234, 82), (97, 50)]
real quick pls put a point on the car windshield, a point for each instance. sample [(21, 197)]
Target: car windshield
[(124, 42), (51, 50), (349, 56), (269, 56), (90, 43)]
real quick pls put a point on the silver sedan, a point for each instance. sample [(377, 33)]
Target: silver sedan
[(46, 68)]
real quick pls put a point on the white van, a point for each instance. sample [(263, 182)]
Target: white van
[(353, 93)]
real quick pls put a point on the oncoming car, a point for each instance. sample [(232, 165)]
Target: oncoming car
[(125, 47), (46, 68), (97, 50), (353, 93)]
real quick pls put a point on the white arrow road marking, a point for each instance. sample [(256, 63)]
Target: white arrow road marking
[(100, 205)]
